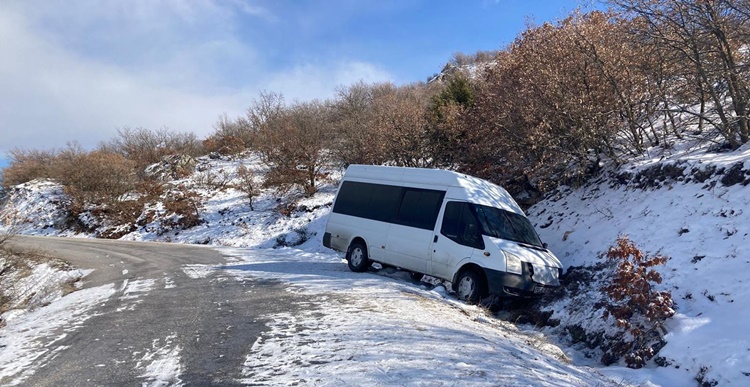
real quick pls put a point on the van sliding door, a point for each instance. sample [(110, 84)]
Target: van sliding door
[(410, 236)]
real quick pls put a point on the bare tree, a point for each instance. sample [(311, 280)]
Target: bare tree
[(401, 120), (294, 145), (145, 147), (705, 40), (357, 140)]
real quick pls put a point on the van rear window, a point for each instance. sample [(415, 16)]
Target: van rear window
[(353, 199), (366, 200)]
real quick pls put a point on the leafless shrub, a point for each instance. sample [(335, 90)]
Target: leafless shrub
[(27, 165), (461, 59), (293, 145), (224, 144), (232, 136), (560, 98), (399, 114), (214, 179), (96, 176), (702, 46), (145, 147), (247, 183), (358, 140), (95, 182), (184, 207)]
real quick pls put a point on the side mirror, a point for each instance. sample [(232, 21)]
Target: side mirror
[(544, 245)]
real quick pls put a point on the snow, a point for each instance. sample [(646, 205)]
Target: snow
[(379, 329), (702, 227), (40, 286), (227, 217), (20, 346), (35, 207), (164, 366), (133, 291), (384, 328)]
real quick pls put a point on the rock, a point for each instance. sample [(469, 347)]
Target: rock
[(172, 167)]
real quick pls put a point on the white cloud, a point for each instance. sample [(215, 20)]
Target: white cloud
[(308, 81), (80, 70), (49, 95)]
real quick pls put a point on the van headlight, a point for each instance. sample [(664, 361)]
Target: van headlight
[(512, 263)]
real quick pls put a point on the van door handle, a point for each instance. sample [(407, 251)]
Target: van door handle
[(435, 239)]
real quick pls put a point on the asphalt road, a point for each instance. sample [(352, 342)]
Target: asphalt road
[(214, 320)]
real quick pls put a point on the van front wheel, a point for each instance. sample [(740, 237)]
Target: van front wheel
[(357, 257), (469, 287)]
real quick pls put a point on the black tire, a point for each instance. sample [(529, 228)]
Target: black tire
[(357, 257), (469, 286)]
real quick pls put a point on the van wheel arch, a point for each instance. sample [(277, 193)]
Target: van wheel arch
[(478, 276)]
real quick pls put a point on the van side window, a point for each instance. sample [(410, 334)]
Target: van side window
[(461, 226), (384, 202), (353, 199), (370, 201), (420, 208), (412, 207)]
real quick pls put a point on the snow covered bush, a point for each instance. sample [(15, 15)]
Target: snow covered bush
[(638, 310)]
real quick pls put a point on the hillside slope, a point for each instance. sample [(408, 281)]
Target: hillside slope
[(691, 206)]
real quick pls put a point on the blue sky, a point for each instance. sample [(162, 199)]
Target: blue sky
[(77, 70)]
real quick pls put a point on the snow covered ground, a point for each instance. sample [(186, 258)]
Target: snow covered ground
[(383, 328), (703, 226), (19, 339)]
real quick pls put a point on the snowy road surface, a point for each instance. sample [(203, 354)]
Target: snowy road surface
[(153, 319), (164, 314)]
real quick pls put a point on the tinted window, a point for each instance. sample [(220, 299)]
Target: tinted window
[(420, 207), (507, 225), (451, 218), (387, 203), (461, 226), (384, 202), (353, 199)]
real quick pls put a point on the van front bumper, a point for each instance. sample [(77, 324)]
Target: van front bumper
[(504, 284)]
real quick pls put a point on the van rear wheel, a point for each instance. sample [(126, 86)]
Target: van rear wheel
[(357, 257), (469, 287)]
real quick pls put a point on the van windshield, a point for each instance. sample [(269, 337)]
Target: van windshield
[(506, 225)]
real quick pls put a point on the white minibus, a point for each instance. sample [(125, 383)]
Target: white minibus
[(441, 223)]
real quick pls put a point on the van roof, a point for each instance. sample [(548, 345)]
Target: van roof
[(457, 185)]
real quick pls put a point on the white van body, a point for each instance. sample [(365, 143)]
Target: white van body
[(441, 223)]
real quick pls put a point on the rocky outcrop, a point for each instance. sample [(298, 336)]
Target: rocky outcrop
[(172, 167)]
